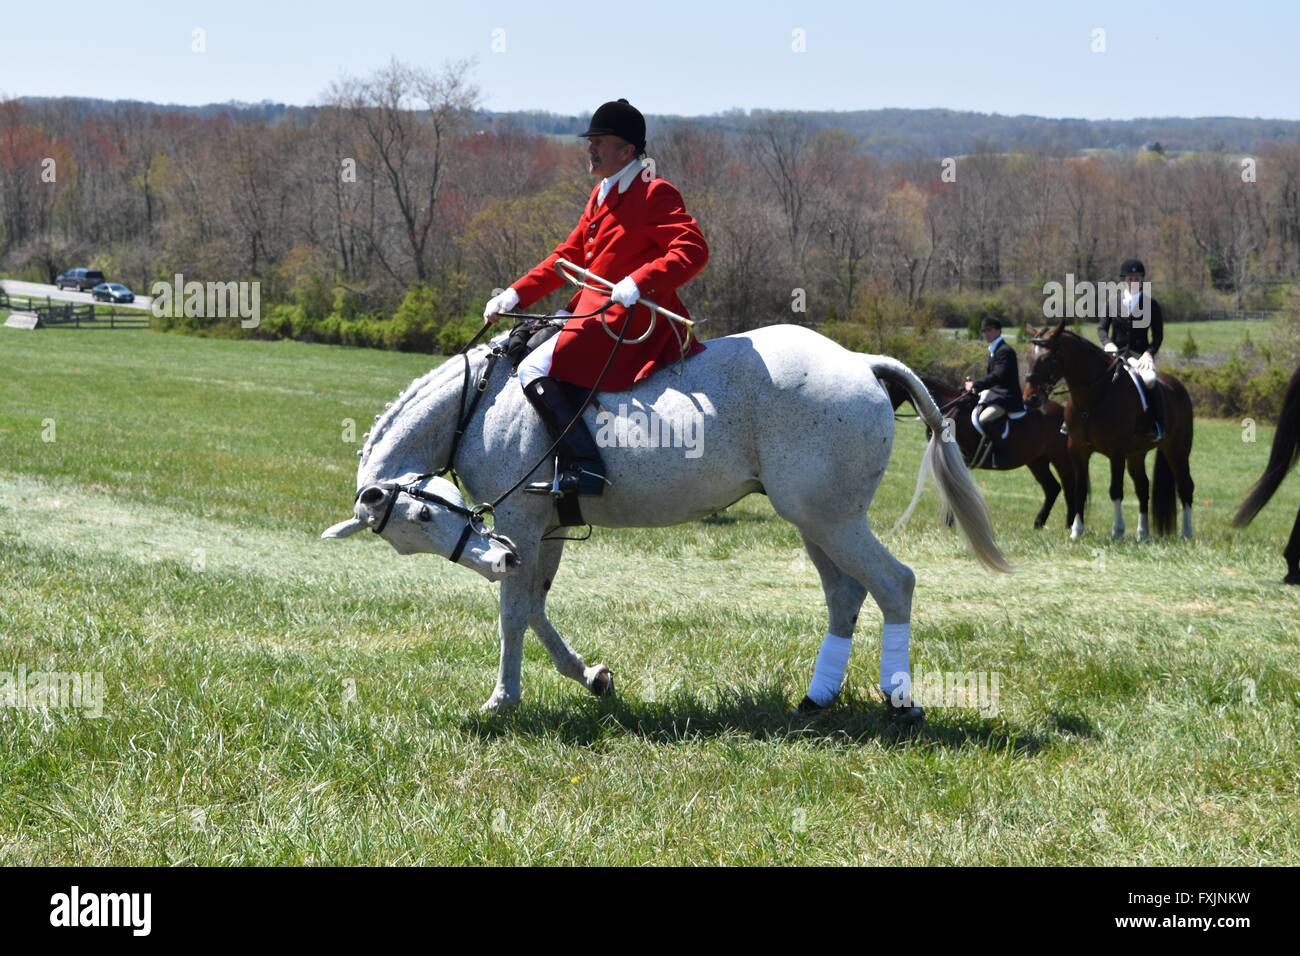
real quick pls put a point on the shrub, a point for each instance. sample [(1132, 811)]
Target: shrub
[(456, 332), (1235, 389)]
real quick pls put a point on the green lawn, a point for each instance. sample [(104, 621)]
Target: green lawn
[(273, 698), (1216, 339)]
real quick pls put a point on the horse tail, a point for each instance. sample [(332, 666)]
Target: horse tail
[(957, 489), (1163, 505), (1286, 449)]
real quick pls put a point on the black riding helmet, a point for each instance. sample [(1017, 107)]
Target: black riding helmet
[(619, 118), (1132, 267)]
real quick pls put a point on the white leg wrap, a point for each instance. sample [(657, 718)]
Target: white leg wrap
[(828, 672), (1187, 521), (895, 673), (1076, 530)]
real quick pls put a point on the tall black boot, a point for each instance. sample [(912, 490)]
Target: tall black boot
[(1156, 404), (580, 469)]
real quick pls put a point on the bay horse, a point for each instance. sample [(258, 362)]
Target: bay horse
[(1105, 414), (1035, 442), (781, 411), (1285, 451)]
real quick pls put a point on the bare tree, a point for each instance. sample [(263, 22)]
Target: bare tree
[(411, 119)]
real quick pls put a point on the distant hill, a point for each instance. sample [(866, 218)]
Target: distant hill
[(887, 133)]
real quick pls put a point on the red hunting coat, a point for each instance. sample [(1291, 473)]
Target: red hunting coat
[(644, 233)]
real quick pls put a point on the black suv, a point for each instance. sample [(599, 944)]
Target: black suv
[(79, 279)]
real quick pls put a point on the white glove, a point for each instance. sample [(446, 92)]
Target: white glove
[(1146, 361), (502, 302), (1110, 347), (625, 293)]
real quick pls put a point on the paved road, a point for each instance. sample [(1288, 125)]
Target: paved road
[(38, 291)]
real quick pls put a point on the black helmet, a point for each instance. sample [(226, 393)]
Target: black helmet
[(1132, 267), (619, 118), (989, 322)]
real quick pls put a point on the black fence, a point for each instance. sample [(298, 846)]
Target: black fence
[(78, 315)]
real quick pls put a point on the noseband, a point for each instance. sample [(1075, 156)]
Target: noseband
[(474, 517)]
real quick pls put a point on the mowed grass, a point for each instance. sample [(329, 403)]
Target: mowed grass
[(274, 698), (1217, 338), (1214, 339)]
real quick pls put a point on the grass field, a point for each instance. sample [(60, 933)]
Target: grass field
[(273, 698), (1216, 339)]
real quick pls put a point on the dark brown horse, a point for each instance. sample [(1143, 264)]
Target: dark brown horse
[(1286, 449), (1105, 415), (1035, 442)]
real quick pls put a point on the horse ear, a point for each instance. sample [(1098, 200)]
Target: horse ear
[(343, 529), (1060, 326)]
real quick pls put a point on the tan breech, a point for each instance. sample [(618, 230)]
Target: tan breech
[(991, 413), (1146, 372)]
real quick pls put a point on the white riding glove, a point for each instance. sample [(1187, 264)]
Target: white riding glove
[(1110, 347), (1146, 361), (625, 293), (502, 302)]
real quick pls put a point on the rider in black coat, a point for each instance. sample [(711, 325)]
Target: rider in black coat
[(1137, 336), (1000, 387)]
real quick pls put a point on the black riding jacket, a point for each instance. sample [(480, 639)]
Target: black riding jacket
[(1120, 330), (1002, 379)]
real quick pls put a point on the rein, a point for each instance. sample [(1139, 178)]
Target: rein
[(1111, 369), (476, 517)]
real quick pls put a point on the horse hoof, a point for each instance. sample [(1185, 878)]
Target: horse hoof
[(905, 715), (498, 703), (599, 680), (1292, 578), (807, 707)]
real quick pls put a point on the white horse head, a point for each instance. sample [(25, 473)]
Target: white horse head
[(415, 524)]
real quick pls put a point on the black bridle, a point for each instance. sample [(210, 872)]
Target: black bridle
[(476, 517), (1049, 385)]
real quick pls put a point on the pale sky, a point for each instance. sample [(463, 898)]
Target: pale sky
[(1189, 58)]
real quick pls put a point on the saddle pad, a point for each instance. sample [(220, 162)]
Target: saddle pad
[(1006, 424), (1137, 383)]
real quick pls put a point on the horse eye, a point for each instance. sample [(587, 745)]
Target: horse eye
[(425, 513)]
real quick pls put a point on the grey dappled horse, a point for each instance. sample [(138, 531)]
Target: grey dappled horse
[(781, 410)]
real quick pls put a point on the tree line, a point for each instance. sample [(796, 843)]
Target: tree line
[(393, 200)]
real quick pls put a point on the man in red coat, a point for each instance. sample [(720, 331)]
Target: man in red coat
[(634, 229)]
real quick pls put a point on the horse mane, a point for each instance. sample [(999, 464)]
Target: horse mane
[(416, 391), (1075, 335)]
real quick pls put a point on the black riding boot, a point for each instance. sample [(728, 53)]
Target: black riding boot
[(1156, 405), (580, 467)]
